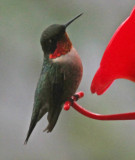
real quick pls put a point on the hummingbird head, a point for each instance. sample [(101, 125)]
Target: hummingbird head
[(55, 41)]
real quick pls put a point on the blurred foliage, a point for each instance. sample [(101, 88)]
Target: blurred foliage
[(75, 136)]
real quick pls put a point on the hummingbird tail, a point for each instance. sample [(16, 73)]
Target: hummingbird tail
[(32, 126), (52, 117)]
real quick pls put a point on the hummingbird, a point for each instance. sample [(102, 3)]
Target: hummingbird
[(60, 76)]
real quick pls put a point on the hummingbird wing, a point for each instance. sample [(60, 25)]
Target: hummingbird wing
[(49, 89), (57, 93)]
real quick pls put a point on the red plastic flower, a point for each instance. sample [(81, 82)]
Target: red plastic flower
[(118, 60)]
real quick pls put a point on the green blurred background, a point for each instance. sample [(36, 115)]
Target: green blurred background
[(75, 137)]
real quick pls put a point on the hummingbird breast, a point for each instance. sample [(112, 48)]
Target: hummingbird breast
[(72, 68)]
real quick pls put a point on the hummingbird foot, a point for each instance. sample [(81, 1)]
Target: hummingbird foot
[(76, 97), (72, 99)]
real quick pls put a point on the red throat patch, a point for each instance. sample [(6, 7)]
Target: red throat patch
[(63, 47)]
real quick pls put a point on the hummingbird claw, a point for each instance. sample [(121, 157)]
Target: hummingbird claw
[(71, 100), (76, 97)]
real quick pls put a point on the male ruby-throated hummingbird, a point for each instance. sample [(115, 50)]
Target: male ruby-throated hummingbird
[(60, 75)]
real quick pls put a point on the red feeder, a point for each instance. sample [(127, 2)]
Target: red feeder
[(118, 60)]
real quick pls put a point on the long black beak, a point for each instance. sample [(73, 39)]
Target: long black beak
[(67, 24)]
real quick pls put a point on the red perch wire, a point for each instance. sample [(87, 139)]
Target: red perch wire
[(80, 109)]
